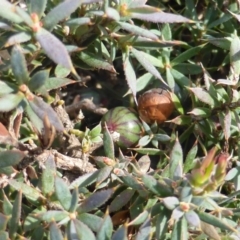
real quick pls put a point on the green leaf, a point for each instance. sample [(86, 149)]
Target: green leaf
[(55, 233), (62, 192), (143, 81), (120, 234), (85, 180), (25, 16), (106, 229), (108, 143), (53, 83), (193, 219), (140, 56), (189, 162), (96, 62), (147, 151), (203, 95), (180, 230), (61, 72), (16, 214), (38, 80), (54, 48), (121, 200), (162, 137), (170, 202), (3, 222), (81, 230), (176, 161), (187, 55), (10, 158), (95, 200), (177, 103), (96, 131), (145, 231), (60, 12), (19, 65), (129, 74), (52, 215), (201, 112), (17, 39), (235, 55), (138, 30), (37, 7), (8, 11), (6, 88), (48, 175), (4, 235), (103, 174), (143, 141), (142, 217), (41, 109), (10, 101), (74, 200), (152, 14), (214, 221), (210, 231), (94, 222), (158, 187), (28, 191)]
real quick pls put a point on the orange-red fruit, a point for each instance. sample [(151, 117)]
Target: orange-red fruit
[(155, 105)]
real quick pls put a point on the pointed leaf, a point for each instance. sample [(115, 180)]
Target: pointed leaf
[(16, 214), (28, 191), (137, 30), (17, 38), (235, 55), (129, 74), (19, 65), (202, 95), (60, 12), (210, 231), (55, 233), (121, 233), (54, 48), (96, 62), (38, 80), (10, 101), (95, 200), (170, 202), (176, 161), (51, 215), (140, 56), (145, 231), (193, 219), (82, 230), (8, 11), (48, 175), (10, 158), (214, 221), (152, 14), (104, 174), (121, 200), (62, 192), (37, 7), (108, 143), (106, 229), (158, 187), (92, 221), (180, 230), (85, 180), (142, 217), (6, 88), (41, 109)]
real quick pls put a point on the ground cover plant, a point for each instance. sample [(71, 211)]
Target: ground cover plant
[(119, 119)]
